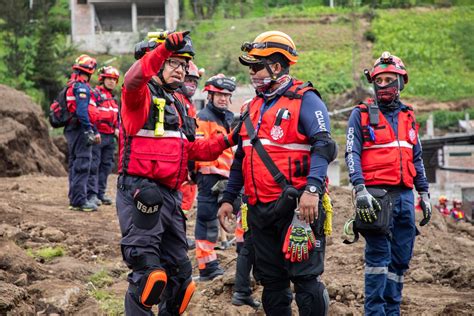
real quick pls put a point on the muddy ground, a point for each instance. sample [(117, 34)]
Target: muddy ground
[(89, 278)]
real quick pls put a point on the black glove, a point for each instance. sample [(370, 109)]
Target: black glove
[(233, 137), (425, 207), (90, 137), (366, 204), (175, 41)]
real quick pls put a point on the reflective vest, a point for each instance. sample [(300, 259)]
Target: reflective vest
[(288, 148), (107, 111), (161, 156), (388, 159), (209, 126), (71, 102)]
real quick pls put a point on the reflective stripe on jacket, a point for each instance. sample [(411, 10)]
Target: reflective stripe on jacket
[(107, 111)]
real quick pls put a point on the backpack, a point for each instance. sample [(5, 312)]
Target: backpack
[(59, 115)]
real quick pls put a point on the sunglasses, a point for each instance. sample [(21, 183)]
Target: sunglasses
[(174, 64), (256, 67)]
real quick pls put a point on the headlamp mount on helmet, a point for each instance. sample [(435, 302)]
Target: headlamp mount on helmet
[(248, 46)]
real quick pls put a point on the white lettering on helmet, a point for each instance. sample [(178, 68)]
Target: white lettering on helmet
[(321, 122), (349, 145)]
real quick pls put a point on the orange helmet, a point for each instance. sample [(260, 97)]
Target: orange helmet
[(85, 63), (108, 72), (220, 83), (443, 199), (193, 70), (389, 63), (267, 44)]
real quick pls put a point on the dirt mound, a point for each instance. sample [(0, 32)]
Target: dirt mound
[(25, 145), (90, 278)]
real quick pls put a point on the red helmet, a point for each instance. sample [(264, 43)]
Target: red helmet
[(220, 83), (389, 63), (108, 72), (457, 202), (193, 70), (85, 63)]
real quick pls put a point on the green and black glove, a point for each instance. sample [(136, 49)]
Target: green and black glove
[(366, 204), (425, 207)]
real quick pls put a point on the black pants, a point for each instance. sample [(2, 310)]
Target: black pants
[(245, 263), (275, 272)]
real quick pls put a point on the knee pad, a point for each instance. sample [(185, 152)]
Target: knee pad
[(151, 287), (185, 294)]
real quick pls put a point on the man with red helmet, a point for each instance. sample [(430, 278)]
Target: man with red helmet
[(383, 151), (288, 119), (156, 142), (80, 132), (215, 119), (456, 212), (107, 125)]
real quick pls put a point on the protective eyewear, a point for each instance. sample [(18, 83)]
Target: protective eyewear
[(256, 67), (174, 64)]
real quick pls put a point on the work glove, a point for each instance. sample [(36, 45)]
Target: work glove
[(175, 41), (425, 207), (299, 241), (366, 204), (90, 137)]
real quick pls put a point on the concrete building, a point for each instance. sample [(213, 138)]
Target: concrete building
[(115, 26)]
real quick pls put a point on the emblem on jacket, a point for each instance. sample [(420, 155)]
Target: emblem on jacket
[(277, 132)]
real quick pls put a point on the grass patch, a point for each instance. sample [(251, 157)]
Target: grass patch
[(47, 253), (101, 279), (108, 302)]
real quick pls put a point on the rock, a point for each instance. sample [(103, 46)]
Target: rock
[(337, 308), (420, 275), (437, 248), (15, 187), (53, 234), (332, 290), (11, 232), (10, 295), (22, 280), (350, 297)]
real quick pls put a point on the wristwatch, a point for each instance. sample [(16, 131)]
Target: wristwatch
[(313, 189)]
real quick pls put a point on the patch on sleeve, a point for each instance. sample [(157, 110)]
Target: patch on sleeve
[(199, 134), (82, 95)]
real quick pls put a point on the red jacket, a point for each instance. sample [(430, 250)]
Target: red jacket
[(190, 108), (71, 99), (288, 148), (143, 153), (107, 110), (388, 160)]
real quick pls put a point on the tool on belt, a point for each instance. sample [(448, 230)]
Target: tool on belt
[(160, 116)]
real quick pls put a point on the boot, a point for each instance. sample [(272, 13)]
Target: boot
[(191, 243), (240, 298), (106, 200), (86, 207), (208, 274), (94, 199)]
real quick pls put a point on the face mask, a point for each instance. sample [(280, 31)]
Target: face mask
[(387, 94), (261, 85), (189, 88)]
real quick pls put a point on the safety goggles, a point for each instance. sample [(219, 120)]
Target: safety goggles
[(247, 47), (174, 64)]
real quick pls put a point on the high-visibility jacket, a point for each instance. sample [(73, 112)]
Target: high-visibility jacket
[(288, 148), (387, 159), (163, 157), (71, 102), (107, 110), (190, 108), (211, 123)]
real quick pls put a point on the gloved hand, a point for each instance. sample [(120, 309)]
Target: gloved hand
[(175, 41), (90, 137), (233, 137), (425, 207), (366, 204), (299, 241)]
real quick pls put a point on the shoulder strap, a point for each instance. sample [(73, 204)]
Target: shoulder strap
[(300, 90), (267, 161)]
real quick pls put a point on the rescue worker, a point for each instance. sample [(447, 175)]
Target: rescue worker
[(292, 124), (156, 140), (383, 151), (456, 212), (80, 132), (107, 125), (187, 91), (215, 119), (443, 205)]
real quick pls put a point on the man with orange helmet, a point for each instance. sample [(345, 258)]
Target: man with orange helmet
[(107, 125), (288, 119), (383, 151), (443, 205), (80, 132), (215, 119), (456, 212), (156, 141)]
